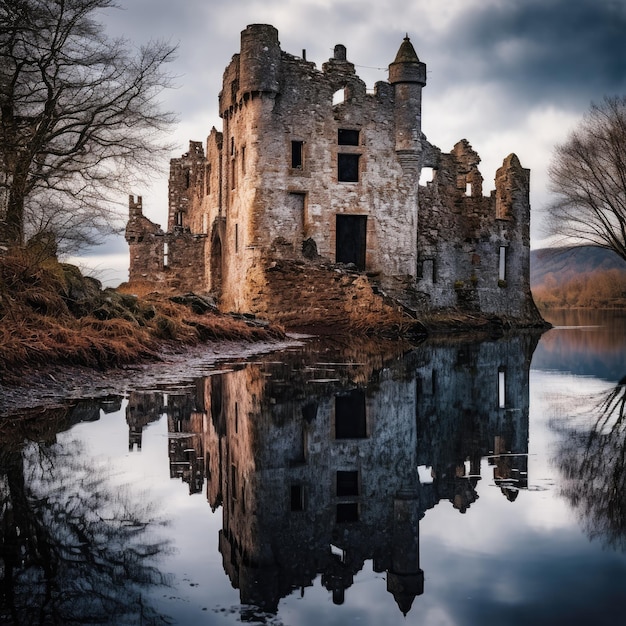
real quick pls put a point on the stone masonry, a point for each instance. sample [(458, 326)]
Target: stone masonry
[(310, 170)]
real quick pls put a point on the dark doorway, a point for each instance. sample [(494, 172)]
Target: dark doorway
[(350, 239)]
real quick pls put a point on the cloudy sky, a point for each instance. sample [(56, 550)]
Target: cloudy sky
[(508, 75)]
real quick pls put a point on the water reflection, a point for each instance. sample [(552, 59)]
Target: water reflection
[(322, 463), (592, 459), (585, 343), (320, 466), (73, 549)]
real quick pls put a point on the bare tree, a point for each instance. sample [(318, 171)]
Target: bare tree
[(79, 118), (588, 174)]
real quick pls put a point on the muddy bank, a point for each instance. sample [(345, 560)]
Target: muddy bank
[(47, 386)]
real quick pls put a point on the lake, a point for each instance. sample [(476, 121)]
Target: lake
[(452, 483)]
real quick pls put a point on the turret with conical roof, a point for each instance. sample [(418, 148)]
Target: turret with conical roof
[(408, 75)]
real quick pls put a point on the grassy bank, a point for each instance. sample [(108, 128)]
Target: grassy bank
[(50, 313)]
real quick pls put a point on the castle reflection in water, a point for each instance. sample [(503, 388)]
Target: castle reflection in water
[(320, 465)]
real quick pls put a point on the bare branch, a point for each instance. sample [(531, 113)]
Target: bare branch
[(79, 117), (588, 176)]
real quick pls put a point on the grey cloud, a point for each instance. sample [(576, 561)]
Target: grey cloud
[(563, 51)]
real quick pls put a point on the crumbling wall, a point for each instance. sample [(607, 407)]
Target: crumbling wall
[(164, 261), (145, 241), (474, 249)]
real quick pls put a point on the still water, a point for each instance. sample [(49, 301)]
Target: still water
[(454, 483)]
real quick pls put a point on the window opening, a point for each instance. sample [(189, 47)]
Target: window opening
[(502, 388), (350, 416), (502, 264), (427, 270), (296, 154), (347, 137), (339, 97), (236, 237), (426, 175), (166, 252), (297, 498), (243, 159), (347, 483), (233, 481), (348, 168), (178, 218), (207, 180), (468, 189)]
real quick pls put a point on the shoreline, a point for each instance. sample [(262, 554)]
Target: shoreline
[(52, 385)]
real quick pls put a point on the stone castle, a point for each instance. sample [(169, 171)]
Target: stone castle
[(309, 203)]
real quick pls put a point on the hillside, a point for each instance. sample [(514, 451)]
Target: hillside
[(565, 263), (577, 277)]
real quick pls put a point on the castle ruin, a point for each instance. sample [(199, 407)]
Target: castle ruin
[(308, 201)]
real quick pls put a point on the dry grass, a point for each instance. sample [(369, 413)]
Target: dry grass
[(50, 314)]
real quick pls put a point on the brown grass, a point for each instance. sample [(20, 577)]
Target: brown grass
[(49, 314)]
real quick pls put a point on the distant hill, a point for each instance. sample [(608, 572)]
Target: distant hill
[(577, 277), (567, 263)]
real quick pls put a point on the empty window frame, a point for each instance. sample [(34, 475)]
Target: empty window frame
[(297, 155), (207, 179), (427, 175), (350, 415), (348, 168), (426, 270), (347, 483), (296, 497), (166, 253), (502, 388), (339, 97), (347, 137), (502, 263), (233, 481)]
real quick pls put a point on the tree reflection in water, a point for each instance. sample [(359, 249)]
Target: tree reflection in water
[(74, 548), (593, 461)]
